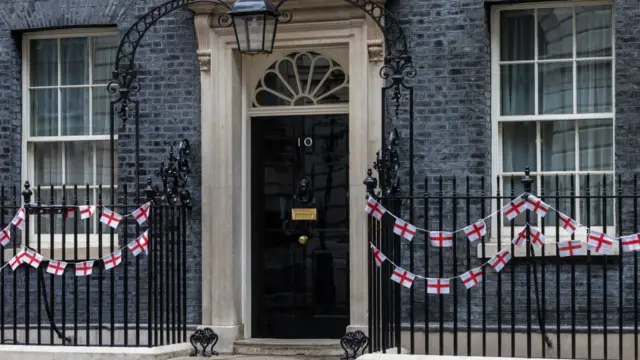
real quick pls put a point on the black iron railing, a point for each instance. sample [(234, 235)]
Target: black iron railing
[(537, 306), (140, 302)]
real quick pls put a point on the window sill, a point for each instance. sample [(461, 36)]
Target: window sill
[(550, 249), (85, 249)]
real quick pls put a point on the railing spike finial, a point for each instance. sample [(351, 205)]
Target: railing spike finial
[(527, 180), (26, 193)]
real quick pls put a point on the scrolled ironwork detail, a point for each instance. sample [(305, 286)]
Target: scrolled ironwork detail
[(354, 344), (387, 164), (174, 177), (125, 78), (204, 337)]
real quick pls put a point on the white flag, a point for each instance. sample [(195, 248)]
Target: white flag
[(599, 242), (472, 277), (56, 267), (571, 248), (19, 219), (441, 239), (476, 231), (112, 260), (499, 260), (438, 286), (84, 268), (630, 243), (110, 218), (141, 214), (404, 229), (537, 206), (378, 256), (403, 277), (514, 208), (86, 211), (374, 208)]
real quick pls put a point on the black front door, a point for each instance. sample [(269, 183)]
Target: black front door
[(300, 269)]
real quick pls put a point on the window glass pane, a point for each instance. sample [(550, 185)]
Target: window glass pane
[(104, 50), (516, 35), (44, 112), (595, 211), (556, 191), (47, 164), (101, 107), (103, 162), (558, 145), (594, 86), (596, 145), (555, 33), (517, 89), (512, 187), (44, 62), (44, 224), (518, 146), (79, 163), (74, 61), (555, 94), (75, 111), (593, 31)]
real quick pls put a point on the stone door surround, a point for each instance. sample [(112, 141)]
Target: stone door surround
[(226, 232)]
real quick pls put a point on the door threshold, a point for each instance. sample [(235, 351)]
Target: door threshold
[(281, 341)]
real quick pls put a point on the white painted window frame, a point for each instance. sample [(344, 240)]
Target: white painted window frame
[(497, 119), (27, 151)]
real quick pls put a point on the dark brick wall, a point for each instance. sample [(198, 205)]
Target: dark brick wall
[(450, 44), (169, 112)]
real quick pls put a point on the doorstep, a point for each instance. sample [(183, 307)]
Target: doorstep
[(289, 347)]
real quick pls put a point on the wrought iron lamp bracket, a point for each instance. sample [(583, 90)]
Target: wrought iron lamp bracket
[(174, 177), (387, 164)]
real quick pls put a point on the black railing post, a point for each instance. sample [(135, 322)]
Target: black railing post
[(527, 180), (26, 195)]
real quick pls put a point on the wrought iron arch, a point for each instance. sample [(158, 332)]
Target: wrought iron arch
[(396, 70)]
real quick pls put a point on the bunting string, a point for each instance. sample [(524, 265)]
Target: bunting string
[(595, 241), (27, 255)]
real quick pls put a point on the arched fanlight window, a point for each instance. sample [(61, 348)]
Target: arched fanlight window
[(302, 79)]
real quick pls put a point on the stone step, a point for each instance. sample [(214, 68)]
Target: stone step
[(316, 348)]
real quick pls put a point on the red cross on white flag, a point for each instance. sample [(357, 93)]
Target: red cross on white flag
[(404, 229), (5, 236), (110, 218), (32, 258), (16, 260), (568, 224), (514, 208), (536, 205), (472, 277), (519, 238), (403, 277), (112, 260), (571, 248), (86, 211), (438, 286), (84, 268), (378, 256), (476, 231), (56, 267), (69, 213), (374, 208), (599, 242), (19, 219), (630, 243), (499, 260), (142, 213), (536, 237), (441, 239), (140, 244)]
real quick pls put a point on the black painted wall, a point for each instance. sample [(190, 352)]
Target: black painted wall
[(169, 111)]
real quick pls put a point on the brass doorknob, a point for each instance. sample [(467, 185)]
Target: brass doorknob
[(303, 239)]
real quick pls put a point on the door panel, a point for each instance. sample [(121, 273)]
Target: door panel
[(300, 290)]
